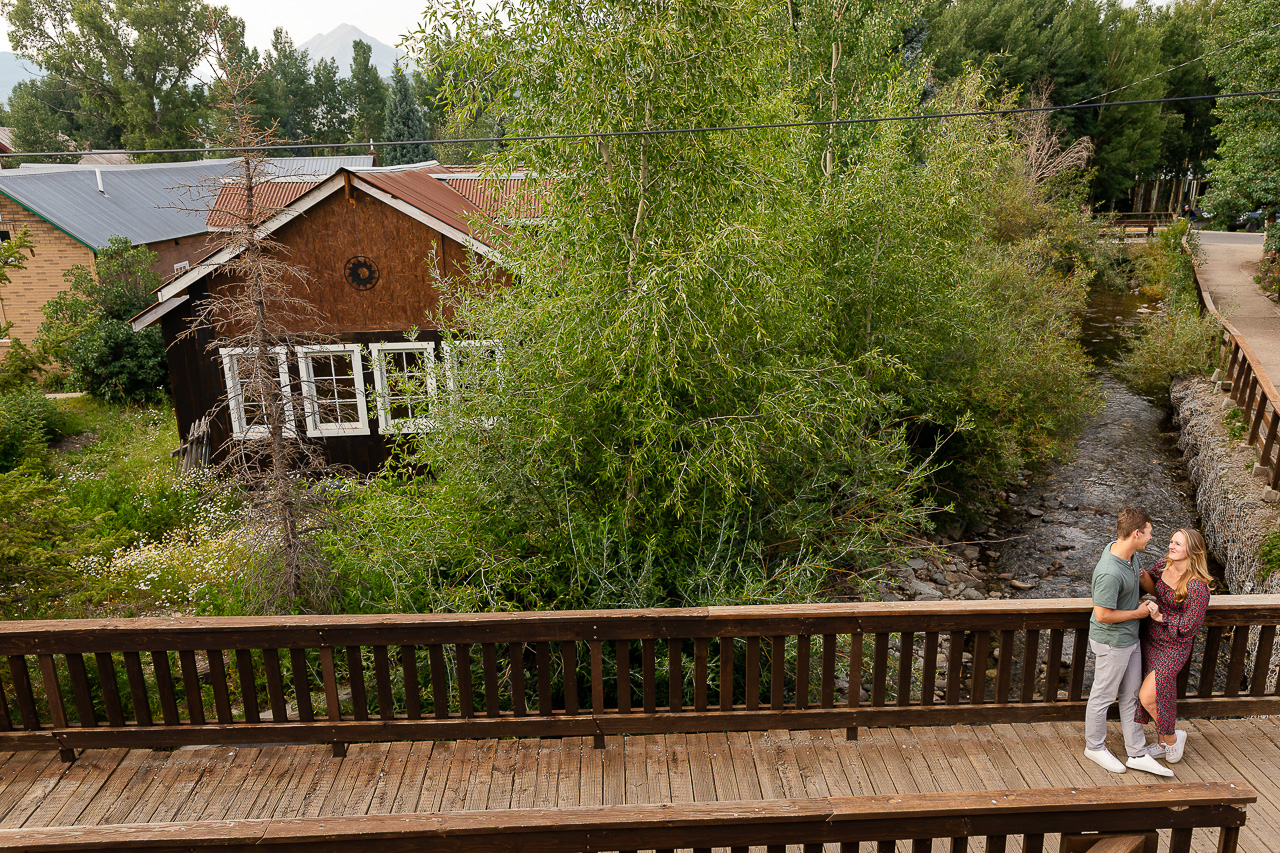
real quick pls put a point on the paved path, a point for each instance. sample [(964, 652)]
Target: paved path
[(1228, 264)]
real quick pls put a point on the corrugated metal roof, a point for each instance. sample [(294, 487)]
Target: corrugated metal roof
[(143, 202), (425, 191), (269, 198), (493, 195)]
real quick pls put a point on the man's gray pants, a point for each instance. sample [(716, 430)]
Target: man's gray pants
[(1116, 673)]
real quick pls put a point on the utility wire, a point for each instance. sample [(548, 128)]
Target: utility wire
[(614, 134), (1098, 98)]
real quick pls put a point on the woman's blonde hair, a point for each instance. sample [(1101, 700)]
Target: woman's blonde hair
[(1197, 563)]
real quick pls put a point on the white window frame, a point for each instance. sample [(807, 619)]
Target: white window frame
[(240, 428), (311, 408), (450, 364), (383, 390)]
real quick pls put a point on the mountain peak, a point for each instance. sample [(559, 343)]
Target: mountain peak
[(336, 45)]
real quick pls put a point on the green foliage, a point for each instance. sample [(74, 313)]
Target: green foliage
[(134, 64), (1269, 555), (86, 326), (367, 95), (404, 122), (28, 423), (1178, 340), (1245, 173), (1234, 423)]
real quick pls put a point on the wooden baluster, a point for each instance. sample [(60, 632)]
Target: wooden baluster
[(515, 666), (543, 650), (853, 698), (997, 843), (827, 691), (921, 845), (803, 650), (675, 676), (110, 690), (275, 685), (1184, 675), (595, 650), (1233, 362), (959, 844), (777, 673), (1180, 840), (6, 721), (301, 678), (726, 673), (906, 663), (1259, 414), (1079, 654), (1033, 842), (137, 689), (191, 687), (649, 675), (1228, 839), (412, 687), (886, 847), (1269, 443), (1004, 669), (753, 673), (623, 654), (53, 692), (929, 672), (328, 672), (981, 648), (489, 663), (700, 673), (879, 669), (1053, 666), (80, 690), (221, 692), (355, 671), (439, 681), (1209, 664), (1235, 665), (569, 656), (466, 695), (1030, 665), (382, 683), (1262, 660), (955, 665), (164, 688), (22, 692)]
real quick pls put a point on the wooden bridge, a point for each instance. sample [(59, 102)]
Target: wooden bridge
[(695, 729)]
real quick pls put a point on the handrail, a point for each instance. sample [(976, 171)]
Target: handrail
[(995, 815), (1249, 387), (342, 679)]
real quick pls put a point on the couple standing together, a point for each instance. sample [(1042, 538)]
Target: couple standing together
[(1140, 646)]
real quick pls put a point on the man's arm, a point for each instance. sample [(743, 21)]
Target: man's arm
[(1109, 616)]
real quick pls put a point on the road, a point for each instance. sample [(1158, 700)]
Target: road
[(1228, 263)]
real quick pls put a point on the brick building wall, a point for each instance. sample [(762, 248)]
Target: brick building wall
[(28, 290)]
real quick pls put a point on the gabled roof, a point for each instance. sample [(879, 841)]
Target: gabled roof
[(143, 202), (418, 191), (269, 197)]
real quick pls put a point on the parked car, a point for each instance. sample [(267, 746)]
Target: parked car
[(1250, 221)]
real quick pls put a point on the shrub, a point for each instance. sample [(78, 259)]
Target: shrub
[(28, 423)]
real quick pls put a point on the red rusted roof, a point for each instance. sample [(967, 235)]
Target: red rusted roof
[(269, 198), (493, 196), (422, 189)]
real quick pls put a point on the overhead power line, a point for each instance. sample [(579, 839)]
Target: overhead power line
[(614, 134)]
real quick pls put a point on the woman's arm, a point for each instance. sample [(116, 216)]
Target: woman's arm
[(1188, 622)]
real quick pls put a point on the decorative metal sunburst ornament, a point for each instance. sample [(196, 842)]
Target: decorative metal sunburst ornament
[(361, 273)]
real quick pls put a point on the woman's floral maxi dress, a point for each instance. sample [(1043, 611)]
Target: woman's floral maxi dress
[(1166, 646)]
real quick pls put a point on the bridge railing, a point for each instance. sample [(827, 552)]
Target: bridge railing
[(341, 679), (1248, 385), (763, 826)]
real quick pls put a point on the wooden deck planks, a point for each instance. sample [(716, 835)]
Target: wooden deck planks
[(115, 786)]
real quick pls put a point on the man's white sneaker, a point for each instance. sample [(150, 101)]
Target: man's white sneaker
[(1173, 751), (1149, 765), (1156, 750), (1104, 759)]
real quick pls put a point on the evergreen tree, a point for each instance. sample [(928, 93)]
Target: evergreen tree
[(366, 94), (287, 94), (404, 123), (333, 111)]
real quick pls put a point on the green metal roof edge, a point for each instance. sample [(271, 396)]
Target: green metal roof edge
[(34, 212)]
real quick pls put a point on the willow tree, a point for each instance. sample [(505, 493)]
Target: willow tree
[(671, 423)]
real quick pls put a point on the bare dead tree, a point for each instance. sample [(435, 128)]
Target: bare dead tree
[(259, 323), (1046, 158)]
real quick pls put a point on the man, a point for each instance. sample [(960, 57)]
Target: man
[(1113, 639)]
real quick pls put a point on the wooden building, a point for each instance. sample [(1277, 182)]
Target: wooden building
[(367, 237)]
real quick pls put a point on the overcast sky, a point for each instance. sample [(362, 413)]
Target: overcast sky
[(386, 21)]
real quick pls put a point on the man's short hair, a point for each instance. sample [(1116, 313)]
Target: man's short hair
[(1129, 520)]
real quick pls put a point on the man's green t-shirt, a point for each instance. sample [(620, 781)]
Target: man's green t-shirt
[(1115, 586)]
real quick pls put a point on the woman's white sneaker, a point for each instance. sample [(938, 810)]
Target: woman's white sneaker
[(1173, 751), (1105, 759)]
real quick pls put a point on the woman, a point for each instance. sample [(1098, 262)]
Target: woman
[(1180, 582)]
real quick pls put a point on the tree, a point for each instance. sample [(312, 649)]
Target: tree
[(404, 123), (48, 115), (133, 61), (1188, 142), (333, 113), (1246, 171), (86, 326), (366, 94), (286, 94)]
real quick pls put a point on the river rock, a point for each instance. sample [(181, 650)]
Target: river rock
[(971, 594), (1022, 585), (916, 563)]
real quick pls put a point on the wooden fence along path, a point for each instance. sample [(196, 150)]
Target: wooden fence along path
[(959, 696)]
